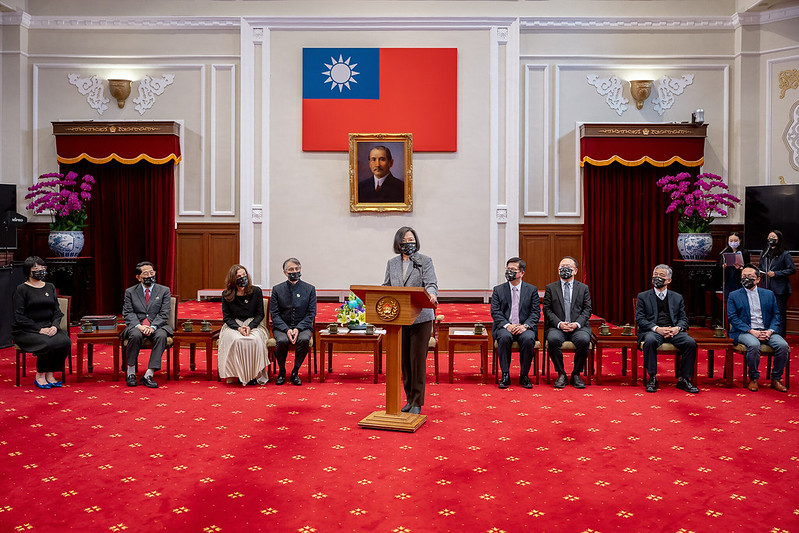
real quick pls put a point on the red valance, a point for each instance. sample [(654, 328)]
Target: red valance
[(125, 142), (659, 145)]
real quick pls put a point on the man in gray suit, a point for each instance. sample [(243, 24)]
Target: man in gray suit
[(566, 319), (146, 312)]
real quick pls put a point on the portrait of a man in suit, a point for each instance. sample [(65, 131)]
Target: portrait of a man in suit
[(381, 186)]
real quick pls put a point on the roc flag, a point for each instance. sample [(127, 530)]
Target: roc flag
[(379, 90)]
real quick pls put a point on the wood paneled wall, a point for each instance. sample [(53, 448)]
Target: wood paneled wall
[(205, 252), (542, 246)]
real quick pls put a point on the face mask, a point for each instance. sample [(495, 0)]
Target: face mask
[(658, 282), (242, 281), (510, 275), (148, 282), (294, 276), (565, 272), (39, 274), (748, 283), (734, 244), (772, 242), (408, 248)]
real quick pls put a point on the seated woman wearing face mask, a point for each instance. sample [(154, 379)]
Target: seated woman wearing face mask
[(36, 323), (241, 353), (732, 273)]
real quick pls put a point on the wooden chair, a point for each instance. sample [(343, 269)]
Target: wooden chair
[(666, 348), (515, 348), (147, 343), (568, 346), (766, 350), (64, 303)]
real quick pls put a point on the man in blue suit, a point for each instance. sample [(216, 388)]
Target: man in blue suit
[(515, 308), (660, 317), (754, 317)]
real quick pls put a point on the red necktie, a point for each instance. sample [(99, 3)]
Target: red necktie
[(146, 321), (377, 188)]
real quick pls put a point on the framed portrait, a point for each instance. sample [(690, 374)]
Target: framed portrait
[(381, 172)]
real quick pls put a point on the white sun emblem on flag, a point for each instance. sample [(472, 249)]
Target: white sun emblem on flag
[(340, 73)]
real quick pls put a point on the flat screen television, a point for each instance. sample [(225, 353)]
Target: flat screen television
[(770, 207), (8, 202)]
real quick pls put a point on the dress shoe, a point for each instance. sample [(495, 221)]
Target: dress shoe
[(253, 382), (652, 384), (281, 378), (686, 385), (295, 379), (45, 386), (577, 382), (504, 381), (752, 385), (131, 380), (147, 381), (778, 386), (525, 382), (406, 408), (561, 382), (416, 410)]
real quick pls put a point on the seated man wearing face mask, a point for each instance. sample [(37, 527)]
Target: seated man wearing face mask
[(660, 317), (515, 309), (567, 308), (754, 320), (146, 312), (293, 311)]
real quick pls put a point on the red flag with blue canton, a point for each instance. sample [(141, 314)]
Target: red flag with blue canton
[(379, 90)]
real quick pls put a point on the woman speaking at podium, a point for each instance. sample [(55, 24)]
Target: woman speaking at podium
[(409, 268)]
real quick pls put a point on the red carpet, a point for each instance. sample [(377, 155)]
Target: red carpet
[(205, 456)]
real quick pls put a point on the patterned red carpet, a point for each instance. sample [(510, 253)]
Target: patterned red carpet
[(206, 456)]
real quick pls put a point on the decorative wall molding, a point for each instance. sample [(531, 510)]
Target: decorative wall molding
[(773, 118), (611, 88), (791, 136), (541, 174), (628, 23), (668, 88), (92, 89), (224, 95), (149, 88), (789, 79)]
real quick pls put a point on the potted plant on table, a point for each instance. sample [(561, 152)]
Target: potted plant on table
[(64, 197), (697, 200)]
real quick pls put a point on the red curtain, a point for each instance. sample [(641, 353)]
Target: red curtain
[(626, 233), (131, 218)]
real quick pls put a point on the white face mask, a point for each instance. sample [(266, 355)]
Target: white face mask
[(734, 244)]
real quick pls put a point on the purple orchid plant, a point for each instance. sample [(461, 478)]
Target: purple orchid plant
[(695, 201), (64, 197)]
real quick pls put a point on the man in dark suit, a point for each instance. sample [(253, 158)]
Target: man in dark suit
[(660, 317), (293, 310), (566, 319), (382, 187), (754, 320), (515, 309), (146, 312)]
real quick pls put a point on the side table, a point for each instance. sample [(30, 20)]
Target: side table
[(192, 339), (326, 341), (100, 336), (616, 340), (466, 337)]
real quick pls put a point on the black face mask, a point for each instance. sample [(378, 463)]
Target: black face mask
[(658, 282), (408, 248), (565, 272), (748, 283), (772, 242), (39, 275), (148, 282), (510, 275), (242, 281), (294, 276)]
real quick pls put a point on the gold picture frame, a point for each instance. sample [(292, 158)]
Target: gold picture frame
[(390, 196)]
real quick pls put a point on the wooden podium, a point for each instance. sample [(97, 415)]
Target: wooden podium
[(392, 308)]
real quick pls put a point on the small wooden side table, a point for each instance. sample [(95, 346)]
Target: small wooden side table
[(466, 337), (192, 339), (617, 340), (100, 336), (326, 341)]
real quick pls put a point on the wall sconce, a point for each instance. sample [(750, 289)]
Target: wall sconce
[(120, 89), (640, 91)]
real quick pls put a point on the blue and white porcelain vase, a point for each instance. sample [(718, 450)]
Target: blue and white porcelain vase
[(66, 243), (694, 245)]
